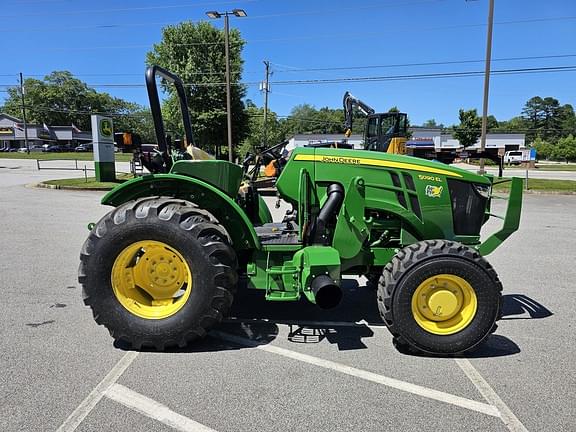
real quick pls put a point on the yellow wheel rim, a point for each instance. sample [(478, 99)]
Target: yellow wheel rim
[(151, 279), (444, 304)]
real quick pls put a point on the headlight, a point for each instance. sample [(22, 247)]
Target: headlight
[(483, 190)]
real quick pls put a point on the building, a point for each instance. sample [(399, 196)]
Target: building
[(434, 139), (12, 134), (301, 140), (430, 143)]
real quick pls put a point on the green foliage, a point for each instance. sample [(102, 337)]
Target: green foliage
[(563, 150), (60, 99), (544, 150), (307, 119), (196, 53), (257, 139), (469, 129), (514, 125), (566, 149), (491, 123), (546, 118), (432, 124)]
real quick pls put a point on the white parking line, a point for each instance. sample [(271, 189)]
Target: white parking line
[(362, 323), (507, 416), (95, 395), (153, 409), (368, 376)]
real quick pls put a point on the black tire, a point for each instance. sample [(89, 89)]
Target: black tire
[(200, 240), (416, 263)]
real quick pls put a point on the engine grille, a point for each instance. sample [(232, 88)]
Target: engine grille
[(468, 207)]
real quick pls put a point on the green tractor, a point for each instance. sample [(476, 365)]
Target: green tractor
[(162, 268)]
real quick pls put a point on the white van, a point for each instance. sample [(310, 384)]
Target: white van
[(513, 157)]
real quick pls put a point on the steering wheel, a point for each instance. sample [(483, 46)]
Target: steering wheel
[(264, 157)]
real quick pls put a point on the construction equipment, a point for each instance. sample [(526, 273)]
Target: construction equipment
[(384, 132), (161, 269)]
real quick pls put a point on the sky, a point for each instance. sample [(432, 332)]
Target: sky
[(105, 42)]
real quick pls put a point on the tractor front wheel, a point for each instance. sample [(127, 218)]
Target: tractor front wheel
[(158, 272), (439, 297)]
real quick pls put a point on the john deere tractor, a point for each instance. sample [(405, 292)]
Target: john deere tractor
[(162, 268)]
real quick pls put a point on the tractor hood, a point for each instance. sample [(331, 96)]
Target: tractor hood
[(363, 158)]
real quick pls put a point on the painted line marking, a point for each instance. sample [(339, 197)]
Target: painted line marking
[(361, 323), (88, 404), (368, 376), (155, 410), (507, 416)]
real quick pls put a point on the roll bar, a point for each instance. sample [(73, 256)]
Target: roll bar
[(151, 73)]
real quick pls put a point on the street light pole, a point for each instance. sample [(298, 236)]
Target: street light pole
[(228, 98), (486, 83), (214, 15)]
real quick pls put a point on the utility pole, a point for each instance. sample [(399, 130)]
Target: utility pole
[(266, 87), (486, 83), (24, 114)]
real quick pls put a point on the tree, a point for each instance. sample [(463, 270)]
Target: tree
[(546, 118), (195, 52), (432, 124), (255, 139), (514, 125), (306, 118), (533, 112), (491, 123), (469, 129), (60, 99), (566, 149), (567, 120), (544, 150)]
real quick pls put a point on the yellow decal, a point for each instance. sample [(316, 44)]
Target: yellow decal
[(374, 162), (434, 191)]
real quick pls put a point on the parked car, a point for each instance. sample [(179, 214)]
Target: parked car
[(53, 149), (513, 157), (33, 149), (83, 148)]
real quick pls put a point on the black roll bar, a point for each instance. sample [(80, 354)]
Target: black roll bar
[(151, 73)]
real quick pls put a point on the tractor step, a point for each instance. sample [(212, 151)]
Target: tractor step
[(283, 296), (275, 294)]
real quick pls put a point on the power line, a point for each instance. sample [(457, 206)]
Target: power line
[(428, 76), (336, 68), (126, 9), (436, 63), (167, 23), (518, 71)]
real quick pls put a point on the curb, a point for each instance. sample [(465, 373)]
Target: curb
[(43, 185)]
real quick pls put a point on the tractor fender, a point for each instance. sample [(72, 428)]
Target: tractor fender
[(225, 209)]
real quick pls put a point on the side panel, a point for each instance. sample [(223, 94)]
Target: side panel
[(222, 174), (206, 196)]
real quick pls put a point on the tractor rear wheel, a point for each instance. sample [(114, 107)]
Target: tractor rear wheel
[(158, 272), (439, 297)]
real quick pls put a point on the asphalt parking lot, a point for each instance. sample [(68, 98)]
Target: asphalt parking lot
[(274, 366)]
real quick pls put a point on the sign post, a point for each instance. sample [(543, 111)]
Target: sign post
[(103, 139)]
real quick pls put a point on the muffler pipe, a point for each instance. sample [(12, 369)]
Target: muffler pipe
[(326, 292)]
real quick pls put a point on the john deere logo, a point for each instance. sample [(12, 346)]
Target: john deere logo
[(105, 128), (434, 191)]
